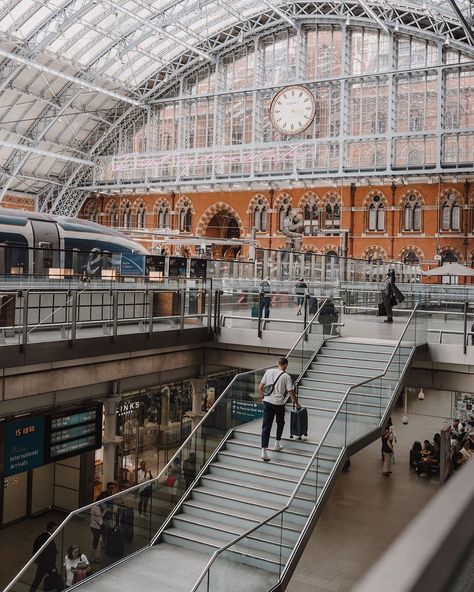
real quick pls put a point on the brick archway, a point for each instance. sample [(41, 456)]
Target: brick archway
[(218, 208)]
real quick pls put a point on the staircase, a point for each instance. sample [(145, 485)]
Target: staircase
[(238, 491)]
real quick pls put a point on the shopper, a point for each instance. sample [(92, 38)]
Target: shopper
[(390, 295), (387, 449), (275, 384), (96, 524), (76, 564), (265, 297), (144, 475), (46, 560), (301, 289)]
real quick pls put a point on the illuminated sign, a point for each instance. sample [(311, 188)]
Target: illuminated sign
[(73, 432), (24, 445)]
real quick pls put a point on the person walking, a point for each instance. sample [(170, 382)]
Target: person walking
[(144, 475), (265, 297), (301, 289), (387, 449), (390, 295), (274, 386), (96, 523), (76, 564), (46, 560)]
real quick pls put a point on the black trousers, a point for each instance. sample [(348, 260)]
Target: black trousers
[(41, 571), (270, 411), (144, 496), (265, 306)]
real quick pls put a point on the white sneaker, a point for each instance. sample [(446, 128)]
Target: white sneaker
[(265, 456), (278, 445)]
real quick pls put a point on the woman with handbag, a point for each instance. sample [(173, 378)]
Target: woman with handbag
[(390, 296), (77, 566)]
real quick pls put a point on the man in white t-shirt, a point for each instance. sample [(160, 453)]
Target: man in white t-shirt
[(273, 388)]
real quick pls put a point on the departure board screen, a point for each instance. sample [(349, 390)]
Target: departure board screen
[(73, 432)]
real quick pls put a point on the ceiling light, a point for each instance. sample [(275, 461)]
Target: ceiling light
[(421, 395)]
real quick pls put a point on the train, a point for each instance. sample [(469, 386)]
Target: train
[(33, 242)]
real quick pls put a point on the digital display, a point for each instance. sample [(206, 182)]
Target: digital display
[(72, 447), (73, 419), (73, 432)]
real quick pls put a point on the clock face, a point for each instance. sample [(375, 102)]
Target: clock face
[(292, 110)]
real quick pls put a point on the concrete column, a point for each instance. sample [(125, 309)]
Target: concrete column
[(111, 440), (165, 406)]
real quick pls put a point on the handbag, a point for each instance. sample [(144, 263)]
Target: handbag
[(382, 311), (81, 572), (392, 459), (170, 481)]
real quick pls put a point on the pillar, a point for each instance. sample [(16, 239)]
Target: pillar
[(111, 440)]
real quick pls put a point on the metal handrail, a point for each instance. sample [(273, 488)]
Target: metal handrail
[(308, 467), (155, 479)]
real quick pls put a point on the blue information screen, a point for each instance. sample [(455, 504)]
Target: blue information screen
[(24, 445)]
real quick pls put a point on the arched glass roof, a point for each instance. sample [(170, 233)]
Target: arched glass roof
[(71, 68)]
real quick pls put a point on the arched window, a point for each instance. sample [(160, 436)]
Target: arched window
[(332, 213), (283, 211), (412, 214), (449, 257), (411, 258), (127, 215), (185, 217), (141, 216), (162, 216), (450, 213), (260, 216), (376, 215)]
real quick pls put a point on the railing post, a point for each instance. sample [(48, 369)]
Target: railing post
[(259, 320), (305, 317), (466, 306), (182, 309), (74, 314), (114, 312), (24, 340), (208, 294), (151, 297)]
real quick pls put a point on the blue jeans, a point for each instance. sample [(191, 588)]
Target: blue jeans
[(265, 305)]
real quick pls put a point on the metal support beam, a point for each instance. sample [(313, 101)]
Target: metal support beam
[(372, 14), (94, 87), (58, 155), (159, 30), (280, 13), (465, 25)]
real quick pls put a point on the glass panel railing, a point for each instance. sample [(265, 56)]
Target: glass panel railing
[(347, 424)]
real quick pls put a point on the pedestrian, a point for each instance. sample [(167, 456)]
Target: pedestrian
[(390, 295), (46, 560), (144, 494), (96, 524), (189, 469), (265, 297), (273, 388), (391, 428), (108, 508), (76, 564), (387, 449), (301, 289)]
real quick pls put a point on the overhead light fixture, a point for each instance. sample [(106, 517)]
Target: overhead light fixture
[(421, 395), (405, 419)]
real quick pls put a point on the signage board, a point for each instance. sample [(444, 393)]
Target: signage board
[(73, 432), (132, 264), (24, 444), (155, 263), (245, 411)]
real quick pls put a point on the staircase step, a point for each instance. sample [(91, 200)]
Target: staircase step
[(339, 362), (208, 545), (334, 355), (334, 403), (287, 454), (240, 519), (284, 466), (225, 533)]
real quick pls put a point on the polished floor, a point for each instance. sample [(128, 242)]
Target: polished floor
[(364, 514)]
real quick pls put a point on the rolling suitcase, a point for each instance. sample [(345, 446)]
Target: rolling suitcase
[(254, 311), (299, 423), (114, 546)]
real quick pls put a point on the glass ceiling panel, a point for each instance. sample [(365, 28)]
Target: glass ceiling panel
[(30, 25)]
